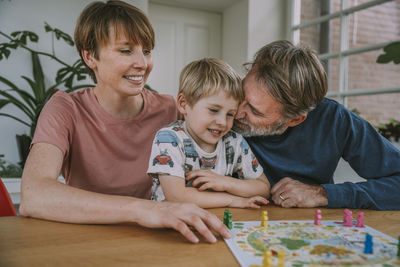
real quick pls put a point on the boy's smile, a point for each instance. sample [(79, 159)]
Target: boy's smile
[(209, 119)]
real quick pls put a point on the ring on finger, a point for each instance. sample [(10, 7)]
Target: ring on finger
[(281, 197)]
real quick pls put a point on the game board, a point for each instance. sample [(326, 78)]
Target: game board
[(306, 244)]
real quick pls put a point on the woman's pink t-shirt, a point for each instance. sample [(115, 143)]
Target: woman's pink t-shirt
[(103, 154)]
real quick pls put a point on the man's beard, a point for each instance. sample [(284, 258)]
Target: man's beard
[(247, 129)]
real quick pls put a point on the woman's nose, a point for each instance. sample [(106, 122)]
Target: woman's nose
[(139, 60)]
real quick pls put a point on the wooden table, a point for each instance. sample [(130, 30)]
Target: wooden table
[(32, 242)]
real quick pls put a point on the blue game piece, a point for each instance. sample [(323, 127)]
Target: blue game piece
[(368, 245)]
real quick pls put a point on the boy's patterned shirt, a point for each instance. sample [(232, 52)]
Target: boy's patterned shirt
[(175, 153)]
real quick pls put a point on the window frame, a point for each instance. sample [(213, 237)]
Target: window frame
[(293, 30)]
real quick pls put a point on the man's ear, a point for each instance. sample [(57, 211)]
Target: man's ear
[(89, 59), (297, 121), (182, 104)]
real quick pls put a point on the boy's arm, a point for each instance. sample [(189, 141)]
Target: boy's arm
[(175, 190), (206, 179)]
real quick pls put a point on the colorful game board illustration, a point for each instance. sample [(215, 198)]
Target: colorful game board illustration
[(307, 244)]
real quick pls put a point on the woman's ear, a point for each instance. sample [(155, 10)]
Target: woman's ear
[(89, 59), (182, 103)]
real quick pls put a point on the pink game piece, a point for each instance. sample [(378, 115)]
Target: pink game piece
[(348, 218), (360, 219), (317, 217)]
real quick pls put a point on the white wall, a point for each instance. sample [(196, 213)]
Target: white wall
[(235, 35), (266, 24), (31, 15), (248, 25)]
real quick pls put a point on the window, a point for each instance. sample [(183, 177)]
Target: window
[(349, 36)]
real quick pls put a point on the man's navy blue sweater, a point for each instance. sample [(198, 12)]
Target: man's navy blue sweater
[(310, 151)]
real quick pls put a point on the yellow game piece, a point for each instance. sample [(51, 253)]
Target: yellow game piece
[(267, 261), (264, 218), (281, 258)]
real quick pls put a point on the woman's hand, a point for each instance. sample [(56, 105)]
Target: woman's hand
[(250, 202), (180, 216), (207, 179)]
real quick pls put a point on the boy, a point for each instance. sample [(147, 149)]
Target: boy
[(191, 160)]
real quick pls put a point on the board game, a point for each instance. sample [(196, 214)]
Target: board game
[(306, 244)]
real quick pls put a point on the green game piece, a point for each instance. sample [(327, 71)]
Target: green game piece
[(398, 248), (228, 219)]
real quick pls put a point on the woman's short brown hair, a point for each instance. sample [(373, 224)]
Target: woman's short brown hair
[(93, 27), (293, 75)]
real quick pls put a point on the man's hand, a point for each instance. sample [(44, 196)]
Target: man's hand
[(180, 216), (206, 179), (248, 202), (290, 193)]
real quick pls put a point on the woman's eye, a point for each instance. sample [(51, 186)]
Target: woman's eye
[(213, 110), (125, 51), (230, 115)]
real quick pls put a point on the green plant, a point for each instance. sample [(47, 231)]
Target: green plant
[(31, 100), (8, 170), (391, 52), (390, 130)]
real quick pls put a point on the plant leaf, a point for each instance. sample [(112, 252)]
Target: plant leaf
[(59, 34), (391, 52), (33, 86), (18, 104), (4, 102), (15, 118), (38, 76)]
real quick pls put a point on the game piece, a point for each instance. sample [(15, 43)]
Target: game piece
[(281, 258), (267, 261), (228, 218), (368, 244), (264, 218), (348, 218), (317, 217), (360, 219)]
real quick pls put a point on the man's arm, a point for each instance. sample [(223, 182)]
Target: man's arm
[(45, 198), (175, 190), (372, 157)]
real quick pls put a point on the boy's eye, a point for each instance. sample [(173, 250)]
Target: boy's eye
[(230, 114), (213, 110), (147, 52)]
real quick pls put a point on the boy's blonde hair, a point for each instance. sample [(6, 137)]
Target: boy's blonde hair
[(208, 76), (93, 27)]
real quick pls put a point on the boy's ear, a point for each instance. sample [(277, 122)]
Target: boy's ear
[(89, 59), (182, 104)]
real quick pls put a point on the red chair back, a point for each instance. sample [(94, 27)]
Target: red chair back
[(6, 205)]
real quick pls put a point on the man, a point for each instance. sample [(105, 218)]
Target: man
[(299, 136)]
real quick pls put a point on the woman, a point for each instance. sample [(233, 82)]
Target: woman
[(100, 138)]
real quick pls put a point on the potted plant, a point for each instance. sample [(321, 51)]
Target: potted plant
[(30, 100), (391, 129)]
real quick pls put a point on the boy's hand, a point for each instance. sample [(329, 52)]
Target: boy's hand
[(206, 179), (251, 202)]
